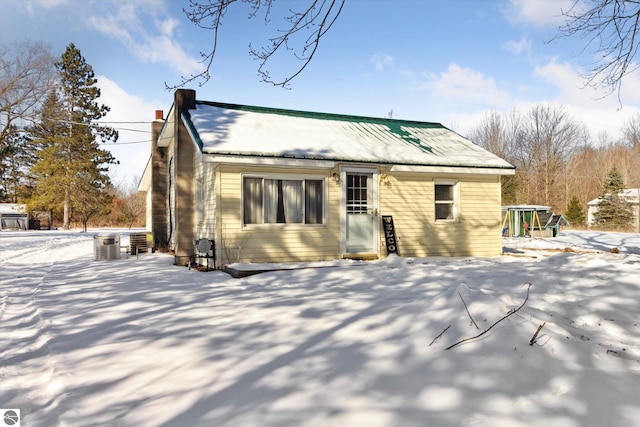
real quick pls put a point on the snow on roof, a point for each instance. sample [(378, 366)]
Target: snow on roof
[(527, 208), (12, 208), (255, 131), (632, 195)]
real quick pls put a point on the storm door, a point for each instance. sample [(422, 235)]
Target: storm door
[(360, 213)]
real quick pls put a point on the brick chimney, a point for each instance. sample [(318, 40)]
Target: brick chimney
[(159, 185), (184, 154)]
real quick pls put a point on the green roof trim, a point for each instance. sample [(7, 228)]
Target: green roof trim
[(375, 140), (391, 123), (186, 116), (394, 125)]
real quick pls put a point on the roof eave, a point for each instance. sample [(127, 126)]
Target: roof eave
[(323, 162)]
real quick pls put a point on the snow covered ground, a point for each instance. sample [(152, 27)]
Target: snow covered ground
[(140, 342)]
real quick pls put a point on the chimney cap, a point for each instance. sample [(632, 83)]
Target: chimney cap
[(159, 115)]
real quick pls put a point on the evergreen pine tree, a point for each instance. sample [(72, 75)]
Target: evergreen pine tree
[(16, 158), (614, 210), (575, 214), (72, 168), (49, 137)]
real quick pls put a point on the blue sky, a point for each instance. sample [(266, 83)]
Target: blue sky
[(428, 60)]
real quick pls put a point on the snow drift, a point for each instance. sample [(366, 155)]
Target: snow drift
[(138, 341)]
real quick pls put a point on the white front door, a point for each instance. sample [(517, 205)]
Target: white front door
[(360, 212)]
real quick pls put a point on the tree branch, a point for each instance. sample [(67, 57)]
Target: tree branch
[(610, 28), (317, 19), (467, 308), (439, 335), (535, 336), (490, 327), (300, 21)]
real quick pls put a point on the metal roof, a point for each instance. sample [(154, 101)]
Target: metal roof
[(631, 195), (526, 208), (13, 208), (240, 130)]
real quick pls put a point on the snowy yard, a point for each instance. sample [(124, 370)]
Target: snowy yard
[(140, 342)]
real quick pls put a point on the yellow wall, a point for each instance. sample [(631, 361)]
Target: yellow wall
[(274, 242), (205, 194), (408, 197)]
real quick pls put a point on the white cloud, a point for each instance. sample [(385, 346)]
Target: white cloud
[(35, 6), (167, 26), (381, 61), (467, 95), (597, 110), (585, 104), (572, 87), (539, 13), (117, 25), (147, 38), (134, 143), (567, 81), (602, 118), (48, 4), (631, 88), (522, 46), (472, 87)]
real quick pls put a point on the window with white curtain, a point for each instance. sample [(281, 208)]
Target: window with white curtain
[(282, 201)]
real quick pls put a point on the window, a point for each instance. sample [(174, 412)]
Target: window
[(358, 193), (446, 205), (283, 201)]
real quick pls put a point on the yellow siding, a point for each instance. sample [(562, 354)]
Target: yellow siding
[(275, 242), (410, 199), (205, 200)]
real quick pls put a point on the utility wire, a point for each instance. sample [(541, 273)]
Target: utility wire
[(114, 144)]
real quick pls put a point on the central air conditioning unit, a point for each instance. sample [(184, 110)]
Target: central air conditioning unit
[(141, 242), (206, 248), (106, 246)]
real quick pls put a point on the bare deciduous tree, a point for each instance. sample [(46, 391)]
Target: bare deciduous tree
[(304, 30), (631, 131), (491, 134), (27, 75), (582, 180), (133, 209), (540, 143), (552, 137), (631, 140), (502, 136)]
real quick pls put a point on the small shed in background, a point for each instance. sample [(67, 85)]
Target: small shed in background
[(13, 216), (39, 220), (527, 220), (551, 223), (631, 195)]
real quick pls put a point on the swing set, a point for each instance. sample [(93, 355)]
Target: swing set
[(521, 220)]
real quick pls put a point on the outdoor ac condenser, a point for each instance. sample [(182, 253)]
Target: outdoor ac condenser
[(106, 246)]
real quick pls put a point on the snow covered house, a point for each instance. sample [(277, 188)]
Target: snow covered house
[(13, 216), (254, 184), (631, 195)]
